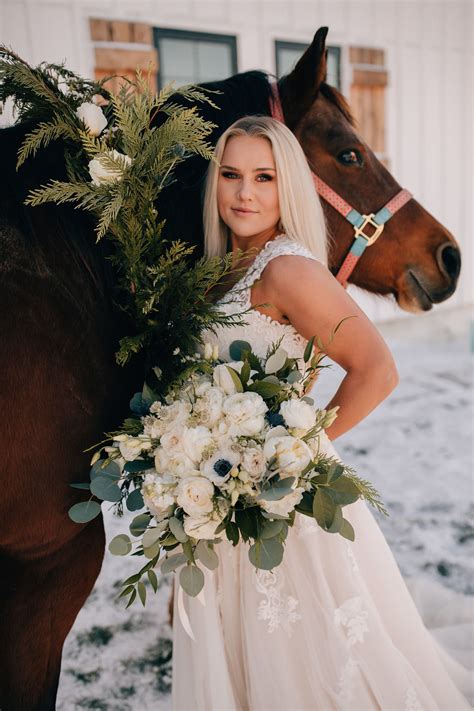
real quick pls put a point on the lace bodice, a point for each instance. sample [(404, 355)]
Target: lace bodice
[(261, 330)]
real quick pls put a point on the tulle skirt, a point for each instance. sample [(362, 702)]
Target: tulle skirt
[(333, 627)]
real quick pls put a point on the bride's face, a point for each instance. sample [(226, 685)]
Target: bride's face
[(247, 193)]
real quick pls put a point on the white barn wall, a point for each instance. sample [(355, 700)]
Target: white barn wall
[(429, 58)]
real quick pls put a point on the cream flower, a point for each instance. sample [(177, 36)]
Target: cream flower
[(292, 454), (253, 462), (132, 447), (204, 527), (102, 174), (194, 441), (195, 495), (158, 493), (219, 467), (298, 413), (92, 117), (222, 377), (209, 407), (244, 413)]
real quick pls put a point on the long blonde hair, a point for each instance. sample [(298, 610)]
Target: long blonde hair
[(301, 214)]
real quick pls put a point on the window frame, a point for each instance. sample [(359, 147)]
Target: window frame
[(168, 33), (285, 44)]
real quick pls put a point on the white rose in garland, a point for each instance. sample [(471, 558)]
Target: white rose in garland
[(102, 173), (244, 413), (92, 117), (195, 495), (204, 527), (253, 462), (298, 413), (292, 454)]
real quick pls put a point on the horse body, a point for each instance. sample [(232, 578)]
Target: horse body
[(60, 386)]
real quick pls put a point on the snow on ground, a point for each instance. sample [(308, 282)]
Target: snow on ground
[(416, 448)]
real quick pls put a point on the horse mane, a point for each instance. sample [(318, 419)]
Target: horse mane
[(336, 98), (52, 241)]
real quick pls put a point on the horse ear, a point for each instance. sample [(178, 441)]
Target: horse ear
[(300, 87)]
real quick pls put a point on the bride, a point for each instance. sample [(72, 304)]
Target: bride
[(334, 626)]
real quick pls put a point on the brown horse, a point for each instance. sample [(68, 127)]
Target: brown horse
[(59, 383)]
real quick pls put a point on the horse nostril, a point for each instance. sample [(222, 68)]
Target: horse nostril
[(449, 260)]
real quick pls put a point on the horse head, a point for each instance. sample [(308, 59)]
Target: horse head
[(415, 258)]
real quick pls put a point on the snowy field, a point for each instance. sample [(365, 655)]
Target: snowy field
[(417, 450)]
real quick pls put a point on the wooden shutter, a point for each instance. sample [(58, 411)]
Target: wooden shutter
[(112, 56), (367, 96)]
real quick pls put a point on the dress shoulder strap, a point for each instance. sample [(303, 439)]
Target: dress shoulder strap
[(281, 245)]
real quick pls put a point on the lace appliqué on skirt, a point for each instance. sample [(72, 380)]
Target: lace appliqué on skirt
[(353, 618), (278, 609)]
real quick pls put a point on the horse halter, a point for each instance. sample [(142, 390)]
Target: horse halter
[(359, 222)]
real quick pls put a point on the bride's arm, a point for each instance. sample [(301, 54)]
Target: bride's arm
[(314, 302)]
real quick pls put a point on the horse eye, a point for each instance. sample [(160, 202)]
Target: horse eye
[(350, 157)]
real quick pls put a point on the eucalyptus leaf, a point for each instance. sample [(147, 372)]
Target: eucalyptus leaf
[(248, 522), (335, 526), (151, 536), (237, 347), (346, 485), (265, 389), (176, 528), (105, 488), (277, 490), (266, 554), (245, 372), (132, 599), (308, 350), (111, 469), (85, 486), (347, 530), (141, 589), (206, 555), (172, 562), (232, 532), (336, 470), (135, 500), (276, 361), (127, 590), (152, 551), (323, 508), (294, 377), (271, 529), (139, 524), (138, 465), (84, 511), (153, 579), (120, 545), (191, 579)]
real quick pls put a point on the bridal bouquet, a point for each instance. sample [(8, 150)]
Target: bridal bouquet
[(234, 450)]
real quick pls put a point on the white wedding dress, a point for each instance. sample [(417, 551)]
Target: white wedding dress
[(333, 627)]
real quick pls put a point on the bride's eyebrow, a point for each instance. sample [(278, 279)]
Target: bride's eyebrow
[(231, 167)]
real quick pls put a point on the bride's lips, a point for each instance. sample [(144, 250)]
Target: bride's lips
[(243, 211)]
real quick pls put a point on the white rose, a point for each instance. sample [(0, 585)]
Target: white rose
[(202, 385), (177, 413), (284, 506), (101, 173), (218, 468), (204, 527), (132, 447), (158, 493), (195, 440), (172, 440), (245, 413), (178, 464), (222, 377), (292, 454), (92, 117), (298, 413), (253, 462), (195, 495)]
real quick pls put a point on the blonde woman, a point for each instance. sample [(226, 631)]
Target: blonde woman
[(334, 626)]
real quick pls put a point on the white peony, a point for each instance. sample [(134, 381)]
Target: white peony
[(292, 454), (204, 527), (172, 439), (284, 506), (218, 468), (195, 495), (178, 464), (244, 413), (253, 462), (298, 413), (92, 117), (158, 493), (195, 440), (101, 173)]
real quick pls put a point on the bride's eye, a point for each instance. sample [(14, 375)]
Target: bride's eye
[(229, 174), (264, 176)]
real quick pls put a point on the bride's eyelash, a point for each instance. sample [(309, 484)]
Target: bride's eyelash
[(231, 175)]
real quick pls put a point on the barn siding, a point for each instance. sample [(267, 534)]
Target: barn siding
[(428, 56)]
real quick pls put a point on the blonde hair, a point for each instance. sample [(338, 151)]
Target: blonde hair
[(301, 214)]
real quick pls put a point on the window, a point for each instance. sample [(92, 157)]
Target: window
[(288, 53), (194, 57)]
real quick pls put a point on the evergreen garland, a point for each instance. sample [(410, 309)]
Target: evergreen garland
[(160, 286)]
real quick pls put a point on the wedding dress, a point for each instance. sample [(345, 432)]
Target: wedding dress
[(333, 627)]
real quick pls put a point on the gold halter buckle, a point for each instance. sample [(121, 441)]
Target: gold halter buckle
[(368, 220)]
